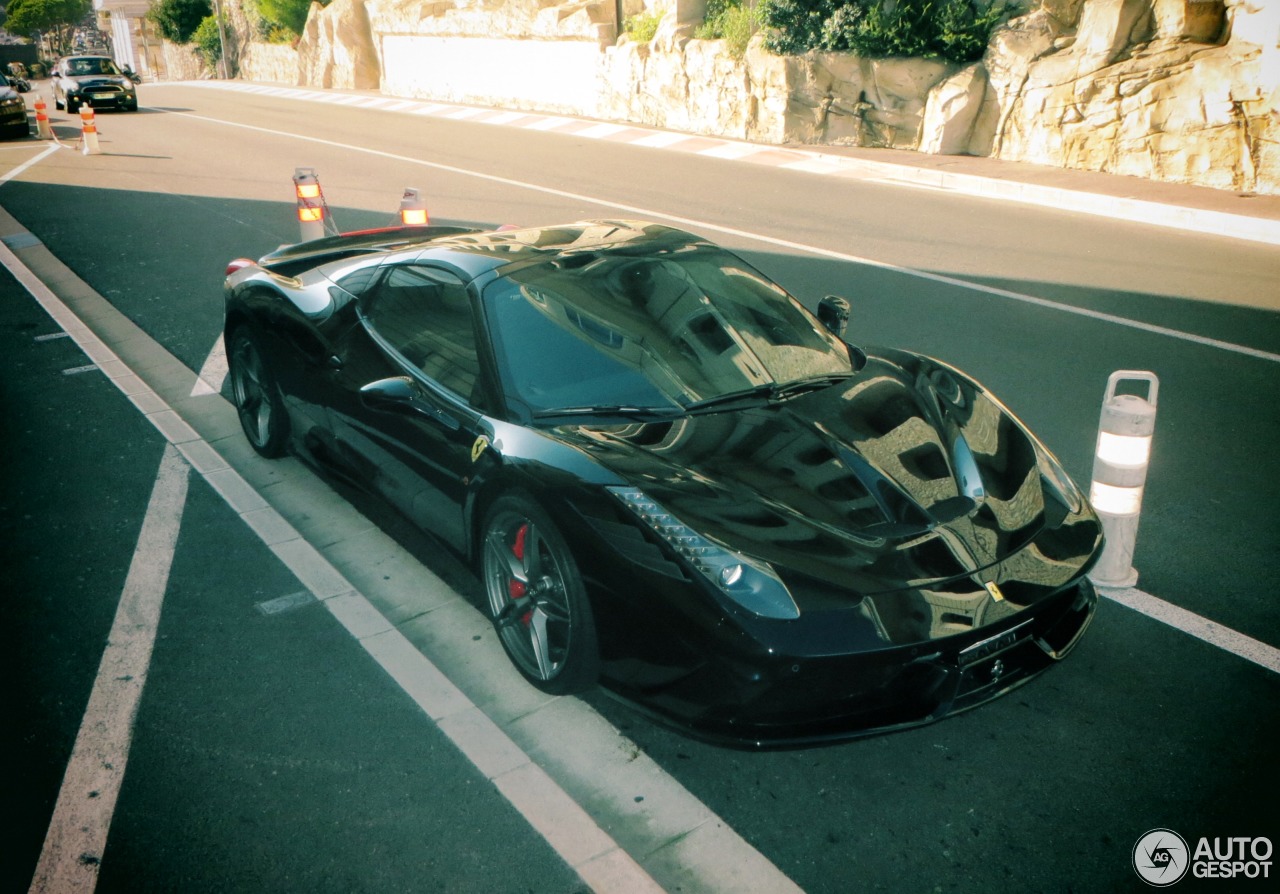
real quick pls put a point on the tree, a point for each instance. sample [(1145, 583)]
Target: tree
[(291, 14), (179, 19), (34, 17)]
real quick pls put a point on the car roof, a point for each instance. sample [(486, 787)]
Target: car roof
[(517, 248)]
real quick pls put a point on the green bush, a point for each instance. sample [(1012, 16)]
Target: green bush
[(179, 19), (207, 41), (906, 29), (953, 30), (963, 31), (644, 27), (730, 21), (795, 25)]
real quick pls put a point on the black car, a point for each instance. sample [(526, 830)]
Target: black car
[(13, 115), (95, 80), (670, 476)]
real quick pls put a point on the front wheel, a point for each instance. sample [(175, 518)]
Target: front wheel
[(256, 396), (537, 602)]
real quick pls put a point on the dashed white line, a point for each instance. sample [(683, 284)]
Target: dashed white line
[(601, 131), (733, 151), (662, 140)]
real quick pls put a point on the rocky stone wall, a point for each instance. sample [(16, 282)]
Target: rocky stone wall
[(1176, 90), (270, 63), (1179, 90)]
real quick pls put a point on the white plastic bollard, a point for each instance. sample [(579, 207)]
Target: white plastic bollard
[(413, 208), (89, 131), (311, 206), (44, 131), (1120, 462)]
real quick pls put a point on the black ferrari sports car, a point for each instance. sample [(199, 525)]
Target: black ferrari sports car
[(670, 476)]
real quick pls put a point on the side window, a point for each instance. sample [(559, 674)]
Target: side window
[(425, 314)]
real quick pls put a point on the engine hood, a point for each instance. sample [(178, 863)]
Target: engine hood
[(908, 476), (98, 80)]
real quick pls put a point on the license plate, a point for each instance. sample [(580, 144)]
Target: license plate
[(988, 647)]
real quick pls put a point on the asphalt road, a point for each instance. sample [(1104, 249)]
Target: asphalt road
[(269, 752)]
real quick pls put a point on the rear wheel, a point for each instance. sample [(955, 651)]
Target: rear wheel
[(256, 395), (537, 602)]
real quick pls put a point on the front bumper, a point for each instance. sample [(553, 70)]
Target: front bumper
[(13, 114), (109, 96), (781, 701)]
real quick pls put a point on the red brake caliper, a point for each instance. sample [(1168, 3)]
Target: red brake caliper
[(516, 589)]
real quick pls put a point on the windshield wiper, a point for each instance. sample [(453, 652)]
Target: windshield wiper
[(750, 396), (811, 383), (628, 412), (769, 392)]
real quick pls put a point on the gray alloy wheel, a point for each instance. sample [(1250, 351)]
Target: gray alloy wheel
[(536, 599), (256, 397)]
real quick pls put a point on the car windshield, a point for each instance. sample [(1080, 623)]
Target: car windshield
[(634, 328), (92, 67)]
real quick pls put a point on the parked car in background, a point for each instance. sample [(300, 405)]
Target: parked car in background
[(13, 115), (95, 80)]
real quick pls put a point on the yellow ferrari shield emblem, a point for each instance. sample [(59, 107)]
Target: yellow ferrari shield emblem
[(479, 447), (994, 590)]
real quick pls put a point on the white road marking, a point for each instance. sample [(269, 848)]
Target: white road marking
[(734, 151), (14, 172), (767, 240), (214, 372), (662, 139), (77, 833), (1211, 632), (600, 131)]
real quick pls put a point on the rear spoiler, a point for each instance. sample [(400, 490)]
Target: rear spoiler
[(289, 260)]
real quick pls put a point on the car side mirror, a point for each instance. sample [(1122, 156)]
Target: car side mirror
[(833, 313), (396, 393)]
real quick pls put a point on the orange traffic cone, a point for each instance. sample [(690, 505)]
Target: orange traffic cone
[(88, 132), (43, 130)]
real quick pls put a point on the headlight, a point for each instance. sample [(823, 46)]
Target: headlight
[(753, 585)]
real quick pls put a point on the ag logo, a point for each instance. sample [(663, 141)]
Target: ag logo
[(1161, 857)]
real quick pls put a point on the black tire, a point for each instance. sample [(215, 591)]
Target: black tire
[(256, 395), (72, 107), (536, 598), (57, 103)]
